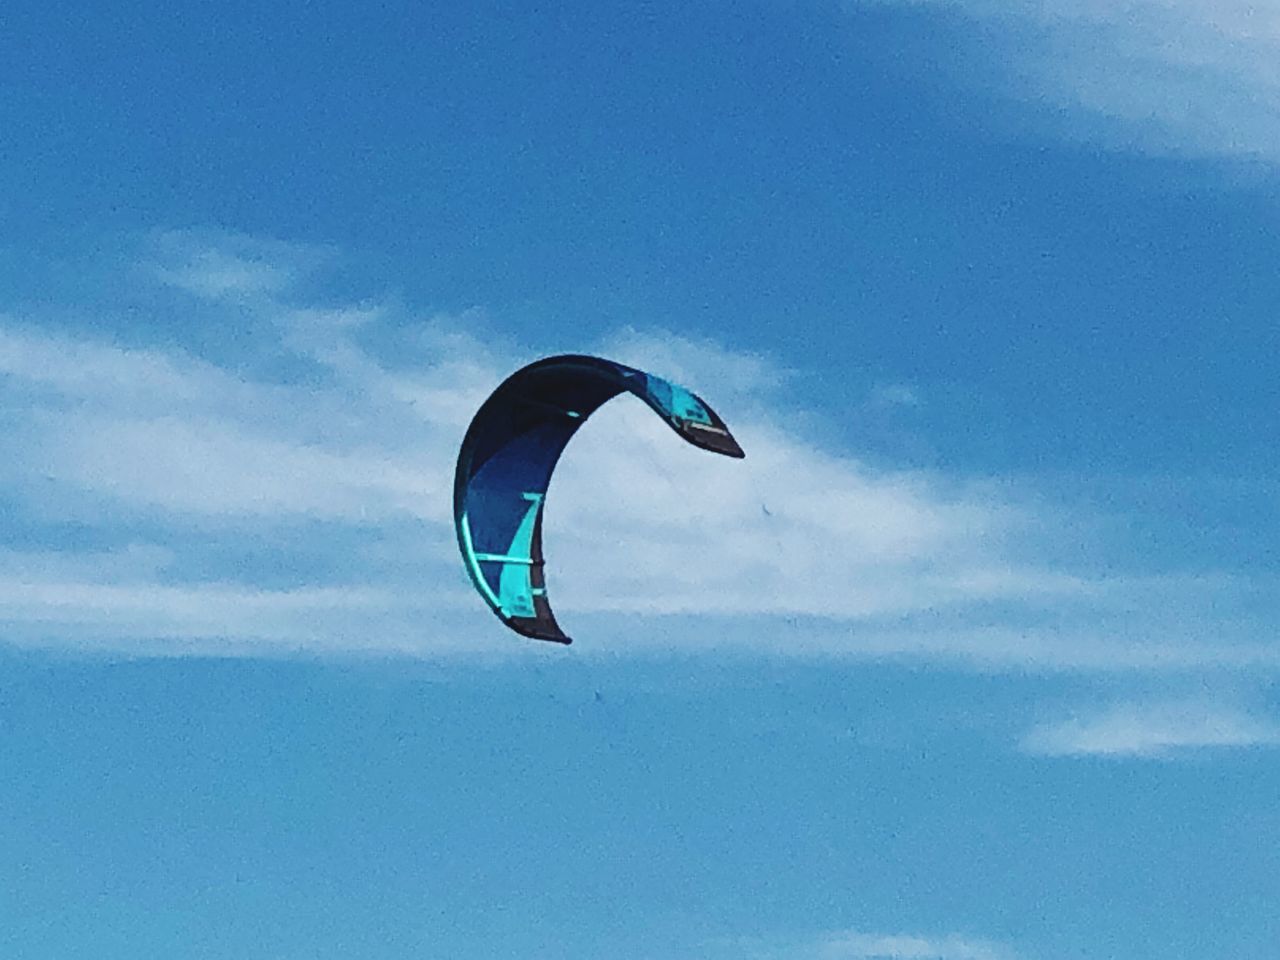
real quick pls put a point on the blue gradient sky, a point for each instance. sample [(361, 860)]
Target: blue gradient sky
[(973, 658)]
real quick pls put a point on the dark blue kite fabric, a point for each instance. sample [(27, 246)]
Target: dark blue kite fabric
[(509, 453)]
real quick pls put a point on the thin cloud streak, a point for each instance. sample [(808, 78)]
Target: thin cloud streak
[(1185, 77), (161, 619), (1159, 730), (859, 945)]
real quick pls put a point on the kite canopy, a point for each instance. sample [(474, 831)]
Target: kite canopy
[(509, 453)]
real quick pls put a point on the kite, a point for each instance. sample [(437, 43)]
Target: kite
[(506, 462)]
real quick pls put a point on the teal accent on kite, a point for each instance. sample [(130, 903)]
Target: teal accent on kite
[(675, 401), (472, 559), (515, 589), (507, 458)]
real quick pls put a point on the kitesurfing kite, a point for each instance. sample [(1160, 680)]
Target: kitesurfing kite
[(509, 453)]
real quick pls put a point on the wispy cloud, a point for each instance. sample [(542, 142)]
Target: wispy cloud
[(857, 945), (226, 266), (1152, 730), (140, 598), (861, 946), (1178, 76), (306, 490), (894, 395)]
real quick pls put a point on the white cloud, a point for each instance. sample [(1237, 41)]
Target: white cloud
[(217, 468), (342, 479), (1152, 730), (61, 367), (126, 599), (1181, 76), (862, 946), (739, 377), (856, 945), (888, 395), (789, 530), (226, 266)]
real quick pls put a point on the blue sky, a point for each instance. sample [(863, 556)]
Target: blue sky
[(972, 658)]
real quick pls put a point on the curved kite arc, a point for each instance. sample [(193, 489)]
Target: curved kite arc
[(507, 458)]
